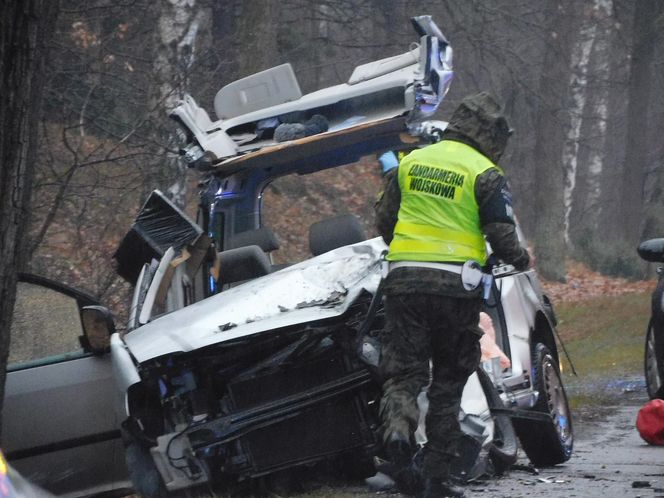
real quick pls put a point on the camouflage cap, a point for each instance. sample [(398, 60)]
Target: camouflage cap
[(480, 118)]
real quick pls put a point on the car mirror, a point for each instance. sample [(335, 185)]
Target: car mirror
[(652, 250), (98, 325)]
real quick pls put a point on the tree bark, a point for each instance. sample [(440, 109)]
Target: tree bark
[(256, 36), (581, 55), (25, 28), (631, 199), (183, 32), (609, 226), (550, 135), (583, 207)]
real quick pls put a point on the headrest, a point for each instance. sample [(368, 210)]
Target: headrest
[(243, 263), (332, 233), (262, 237)]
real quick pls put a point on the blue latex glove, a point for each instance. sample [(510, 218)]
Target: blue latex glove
[(388, 161)]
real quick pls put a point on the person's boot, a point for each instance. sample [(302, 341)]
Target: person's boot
[(439, 488), (399, 450)]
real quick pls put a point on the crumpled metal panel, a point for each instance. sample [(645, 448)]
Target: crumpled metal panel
[(319, 288)]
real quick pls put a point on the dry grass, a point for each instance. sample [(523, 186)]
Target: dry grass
[(584, 284)]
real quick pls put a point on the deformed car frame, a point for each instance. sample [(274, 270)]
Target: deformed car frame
[(234, 368)]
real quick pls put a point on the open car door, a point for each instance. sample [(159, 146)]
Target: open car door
[(60, 428)]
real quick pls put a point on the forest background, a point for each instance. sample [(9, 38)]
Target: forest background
[(580, 80)]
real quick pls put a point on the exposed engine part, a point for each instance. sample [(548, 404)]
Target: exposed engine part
[(233, 409)]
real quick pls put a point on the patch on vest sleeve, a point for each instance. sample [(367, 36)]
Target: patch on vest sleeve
[(498, 208)]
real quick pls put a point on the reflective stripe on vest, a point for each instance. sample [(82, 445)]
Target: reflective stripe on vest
[(438, 214)]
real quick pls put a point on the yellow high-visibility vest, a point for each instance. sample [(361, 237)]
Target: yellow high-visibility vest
[(438, 215)]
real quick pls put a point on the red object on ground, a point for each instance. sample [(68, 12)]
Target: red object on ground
[(650, 422)]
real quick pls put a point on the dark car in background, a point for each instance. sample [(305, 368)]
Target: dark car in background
[(653, 251)]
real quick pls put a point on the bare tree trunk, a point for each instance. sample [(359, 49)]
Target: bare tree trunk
[(609, 216), (631, 199), (602, 73), (550, 134), (654, 177), (580, 62), (25, 26), (183, 30), (256, 36), (582, 204)]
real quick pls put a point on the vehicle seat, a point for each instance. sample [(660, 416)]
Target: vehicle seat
[(258, 91), (262, 237), (241, 264), (343, 230), (384, 66)]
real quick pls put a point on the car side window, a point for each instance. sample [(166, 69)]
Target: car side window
[(45, 323)]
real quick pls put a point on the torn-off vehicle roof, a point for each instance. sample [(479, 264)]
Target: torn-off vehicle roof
[(383, 105)]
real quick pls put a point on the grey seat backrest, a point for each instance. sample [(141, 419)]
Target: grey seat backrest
[(335, 232), (262, 237), (258, 91), (242, 263)]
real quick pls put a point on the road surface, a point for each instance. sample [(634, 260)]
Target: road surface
[(610, 460)]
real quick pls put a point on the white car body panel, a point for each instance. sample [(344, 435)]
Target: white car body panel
[(124, 368), (59, 421), (319, 288), (148, 303), (519, 331)]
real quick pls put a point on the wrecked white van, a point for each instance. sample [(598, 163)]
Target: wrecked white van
[(233, 367)]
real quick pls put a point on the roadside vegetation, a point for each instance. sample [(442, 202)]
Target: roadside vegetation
[(605, 335), (602, 321)]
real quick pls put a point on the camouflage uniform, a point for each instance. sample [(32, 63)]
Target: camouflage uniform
[(428, 312), (443, 329)]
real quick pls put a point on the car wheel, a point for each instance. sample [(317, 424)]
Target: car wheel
[(504, 447), (653, 366), (548, 442), (146, 478)]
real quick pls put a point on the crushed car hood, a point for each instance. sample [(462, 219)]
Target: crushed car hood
[(315, 289)]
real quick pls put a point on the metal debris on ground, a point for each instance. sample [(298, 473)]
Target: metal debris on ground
[(551, 480), (526, 468)]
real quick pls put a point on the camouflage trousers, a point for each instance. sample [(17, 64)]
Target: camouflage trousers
[(419, 328)]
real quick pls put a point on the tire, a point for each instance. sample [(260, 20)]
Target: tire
[(146, 478), (355, 466), (143, 473), (547, 443), (653, 365), (504, 447)]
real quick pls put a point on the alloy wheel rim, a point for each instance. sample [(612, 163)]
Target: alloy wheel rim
[(556, 399), (653, 379)]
